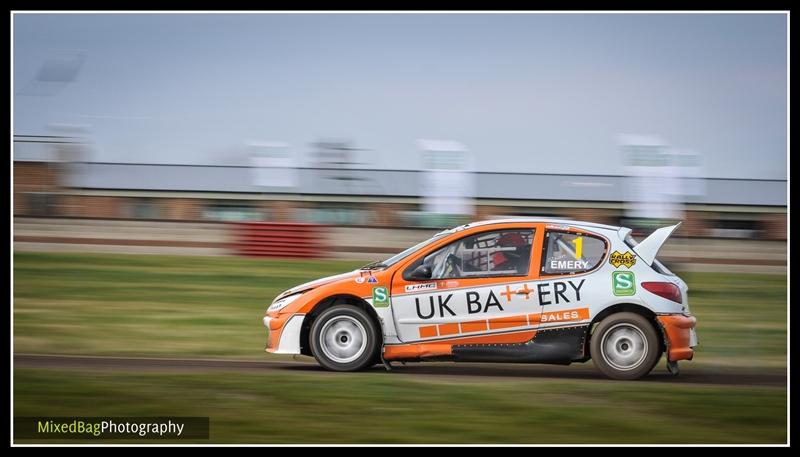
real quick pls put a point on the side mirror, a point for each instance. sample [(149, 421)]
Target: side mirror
[(421, 272)]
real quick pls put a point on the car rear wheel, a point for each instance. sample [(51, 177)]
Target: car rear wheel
[(625, 346), (344, 338)]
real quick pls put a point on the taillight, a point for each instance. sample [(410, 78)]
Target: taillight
[(664, 289)]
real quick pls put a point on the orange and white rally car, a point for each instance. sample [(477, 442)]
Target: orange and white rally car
[(521, 290)]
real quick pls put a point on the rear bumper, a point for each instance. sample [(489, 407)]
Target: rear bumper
[(679, 333), (283, 333)]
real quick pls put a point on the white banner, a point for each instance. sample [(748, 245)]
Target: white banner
[(273, 165), (448, 187)]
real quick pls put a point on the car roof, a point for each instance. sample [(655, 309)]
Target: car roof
[(547, 220)]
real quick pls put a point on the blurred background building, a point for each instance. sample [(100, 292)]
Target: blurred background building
[(52, 186), (48, 184)]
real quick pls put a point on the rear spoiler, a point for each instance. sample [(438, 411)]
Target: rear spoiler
[(648, 249)]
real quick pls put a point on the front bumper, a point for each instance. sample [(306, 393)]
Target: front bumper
[(681, 337), (283, 333)]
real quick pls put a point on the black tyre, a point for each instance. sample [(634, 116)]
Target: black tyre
[(625, 346), (344, 338)]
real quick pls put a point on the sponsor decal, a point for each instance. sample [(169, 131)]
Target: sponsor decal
[(372, 280), (380, 297), (566, 315), (618, 259), (359, 280), (623, 283), (418, 287), (521, 291), (569, 264), (475, 302), (448, 284), (558, 227)]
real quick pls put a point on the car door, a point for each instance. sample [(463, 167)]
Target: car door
[(480, 284), (568, 285)]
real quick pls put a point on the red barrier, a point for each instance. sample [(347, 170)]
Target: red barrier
[(275, 239)]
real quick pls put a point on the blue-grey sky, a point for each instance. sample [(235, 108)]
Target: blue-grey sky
[(543, 93)]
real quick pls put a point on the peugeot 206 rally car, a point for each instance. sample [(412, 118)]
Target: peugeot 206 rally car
[(521, 290)]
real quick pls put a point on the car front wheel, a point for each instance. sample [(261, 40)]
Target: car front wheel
[(344, 338), (625, 346)]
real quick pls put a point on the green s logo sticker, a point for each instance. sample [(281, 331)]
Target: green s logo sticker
[(380, 297), (623, 283)]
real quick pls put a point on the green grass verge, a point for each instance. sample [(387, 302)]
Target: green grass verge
[(150, 305), (377, 407), (212, 306), (741, 319)]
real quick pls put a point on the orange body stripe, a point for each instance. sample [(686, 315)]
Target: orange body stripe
[(415, 351), (506, 322), (448, 329), (473, 326), (428, 331), (515, 337)]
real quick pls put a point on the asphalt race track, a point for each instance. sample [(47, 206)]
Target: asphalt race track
[(461, 371)]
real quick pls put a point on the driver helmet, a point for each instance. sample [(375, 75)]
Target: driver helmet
[(511, 239)]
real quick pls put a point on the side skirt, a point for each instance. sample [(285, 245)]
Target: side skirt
[(556, 346)]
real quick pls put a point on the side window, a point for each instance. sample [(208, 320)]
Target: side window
[(567, 253), (498, 253)]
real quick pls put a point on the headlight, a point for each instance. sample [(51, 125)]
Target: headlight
[(283, 302)]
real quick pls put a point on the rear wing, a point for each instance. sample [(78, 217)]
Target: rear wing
[(648, 249)]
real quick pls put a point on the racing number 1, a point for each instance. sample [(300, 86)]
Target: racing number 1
[(578, 247)]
